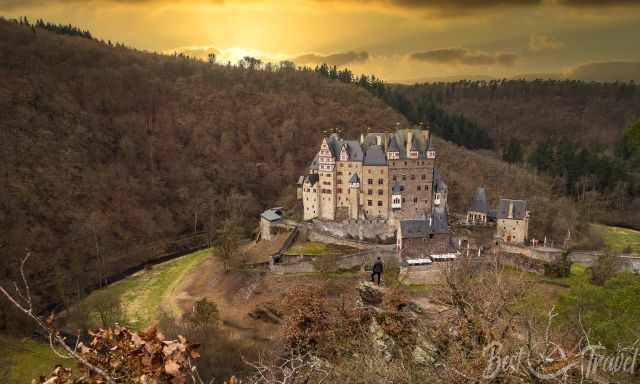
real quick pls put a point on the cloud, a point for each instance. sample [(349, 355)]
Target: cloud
[(338, 59), (608, 71), (20, 4), (541, 42), (598, 3), (462, 56)]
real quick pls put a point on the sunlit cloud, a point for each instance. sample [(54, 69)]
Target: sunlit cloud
[(541, 42), (462, 56), (338, 59)]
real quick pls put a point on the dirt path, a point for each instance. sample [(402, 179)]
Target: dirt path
[(236, 294)]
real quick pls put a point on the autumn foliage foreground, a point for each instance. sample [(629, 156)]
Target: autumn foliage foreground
[(145, 357)]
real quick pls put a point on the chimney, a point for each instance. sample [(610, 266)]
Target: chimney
[(510, 214), (409, 141)]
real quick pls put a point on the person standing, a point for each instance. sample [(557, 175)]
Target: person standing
[(378, 268)]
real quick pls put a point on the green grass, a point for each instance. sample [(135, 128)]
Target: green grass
[(618, 239), (316, 248), (27, 360), (576, 270), (142, 293)]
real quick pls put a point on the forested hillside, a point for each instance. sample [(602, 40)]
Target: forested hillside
[(534, 111), (572, 131), (105, 149)]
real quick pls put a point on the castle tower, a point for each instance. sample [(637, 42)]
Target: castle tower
[(326, 169), (354, 197), (396, 196)]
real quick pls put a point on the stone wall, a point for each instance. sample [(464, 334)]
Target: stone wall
[(306, 263), (545, 254), (373, 230)]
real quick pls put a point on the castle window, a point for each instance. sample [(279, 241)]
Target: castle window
[(379, 203), (405, 163), (339, 181), (415, 199), (339, 172), (369, 181), (370, 192), (369, 203), (380, 192), (413, 177), (424, 177), (418, 187), (403, 199), (395, 178), (426, 187), (380, 181), (339, 190), (401, 188), (404, 177)]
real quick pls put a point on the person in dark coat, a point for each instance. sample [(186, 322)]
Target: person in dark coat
[(378, 268)]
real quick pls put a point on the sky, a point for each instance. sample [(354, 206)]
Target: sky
[(396, 40)]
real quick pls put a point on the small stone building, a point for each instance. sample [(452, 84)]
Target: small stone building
[(267, 219), (419, 238), (479, 210), (513, 221)]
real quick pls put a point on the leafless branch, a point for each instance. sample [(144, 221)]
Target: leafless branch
[(27, 309)]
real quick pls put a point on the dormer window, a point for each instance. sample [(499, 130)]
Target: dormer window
[(431, 154), (413, 154), (393, 155), (344, 153)]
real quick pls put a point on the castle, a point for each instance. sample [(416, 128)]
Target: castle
[(382, 176)]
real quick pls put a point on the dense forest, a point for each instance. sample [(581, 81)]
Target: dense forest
[(105, 149), (573, 131)]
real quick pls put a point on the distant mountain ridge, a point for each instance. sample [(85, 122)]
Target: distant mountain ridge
[(604, 72)]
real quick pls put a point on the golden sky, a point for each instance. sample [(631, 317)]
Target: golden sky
[(398, 40)]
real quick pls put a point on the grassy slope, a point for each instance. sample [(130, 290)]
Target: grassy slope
[(27, 359), (619, 239), (317, 248), (143, 293)]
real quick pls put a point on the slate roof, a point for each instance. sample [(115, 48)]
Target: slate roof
[(354, 149), (416, 228), (438, 182), (414, 145), (334, 144), (375, 156), (313, 178), (396, 188), (314, 163), (440, 222), (393, 145), (479, 202), (272, 214), (519, 209)]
